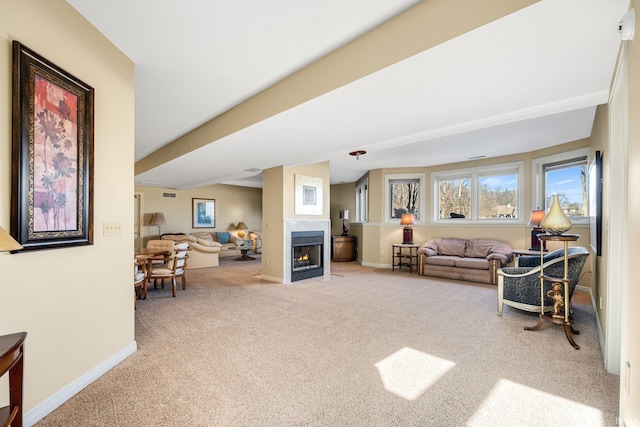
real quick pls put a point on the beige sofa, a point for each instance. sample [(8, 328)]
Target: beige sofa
[(229, 244), (473, 260), (202, 253)]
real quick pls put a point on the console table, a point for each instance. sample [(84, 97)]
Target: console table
[(11, 360), (404, 254), (559, 292)]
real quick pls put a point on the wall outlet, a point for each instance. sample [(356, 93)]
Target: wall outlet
[(111, 228)]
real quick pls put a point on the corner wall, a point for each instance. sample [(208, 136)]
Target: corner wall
[(79, 323)]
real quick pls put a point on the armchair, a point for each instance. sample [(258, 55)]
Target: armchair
[(519, 286)]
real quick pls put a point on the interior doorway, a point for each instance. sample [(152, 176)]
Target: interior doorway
[(138, 221)]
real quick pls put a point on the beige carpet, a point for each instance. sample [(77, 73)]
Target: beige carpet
[(370, 347)]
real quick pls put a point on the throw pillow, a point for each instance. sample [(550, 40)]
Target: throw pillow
[(223, 236)]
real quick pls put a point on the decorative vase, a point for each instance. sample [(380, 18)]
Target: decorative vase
[(556, 222)]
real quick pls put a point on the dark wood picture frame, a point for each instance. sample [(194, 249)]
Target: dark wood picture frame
[(52, 154), (203, 213), (595, 203)]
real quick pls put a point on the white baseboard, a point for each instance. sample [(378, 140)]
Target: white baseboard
[(595, 312), (49, 405)]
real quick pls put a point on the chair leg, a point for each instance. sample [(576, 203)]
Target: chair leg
[(184, 282), (173, 286)]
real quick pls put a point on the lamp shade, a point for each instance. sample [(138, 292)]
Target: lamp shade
[(158, 219), (556, 222), (241, 226), (344, 214), (407, 219), (7, 243), (536, 218)]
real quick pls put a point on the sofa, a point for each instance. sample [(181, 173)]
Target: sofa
[(473, 260), (203, 253), (230, 244), (222, 243)]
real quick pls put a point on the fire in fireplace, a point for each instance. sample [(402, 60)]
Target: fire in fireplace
[(307, 254)]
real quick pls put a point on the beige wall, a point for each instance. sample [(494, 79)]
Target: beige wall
[(342, 197), (633, 231), (378, 235), (232, 205), (77, 303)]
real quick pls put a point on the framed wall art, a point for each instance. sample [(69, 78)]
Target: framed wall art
[(595, 203), (52, 154), (308, 195), (203, 213)]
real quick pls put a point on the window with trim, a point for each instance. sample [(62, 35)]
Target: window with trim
[(362, 200), (566, 175), (486, 193), (404, 194)]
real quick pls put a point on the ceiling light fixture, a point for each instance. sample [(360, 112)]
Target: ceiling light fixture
[(357, 153)]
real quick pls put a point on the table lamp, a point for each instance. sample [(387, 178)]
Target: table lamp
[(158, 219), (537, 216), (344, 216), (407, 232), (7, 243), (241, 227)]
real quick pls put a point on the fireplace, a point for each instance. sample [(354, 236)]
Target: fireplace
[(307, 253)]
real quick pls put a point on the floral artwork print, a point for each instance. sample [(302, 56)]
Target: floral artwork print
[(55, 157)]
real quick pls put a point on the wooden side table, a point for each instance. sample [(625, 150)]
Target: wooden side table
[(344, 248), (11, 360), (404, 255), (559, 291)]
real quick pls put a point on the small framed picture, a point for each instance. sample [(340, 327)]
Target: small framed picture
[(308, 195), (203, 213)]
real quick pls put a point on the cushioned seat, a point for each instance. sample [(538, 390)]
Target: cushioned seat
[(519, 287)]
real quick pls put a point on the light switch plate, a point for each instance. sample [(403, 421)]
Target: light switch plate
[(112, 228)]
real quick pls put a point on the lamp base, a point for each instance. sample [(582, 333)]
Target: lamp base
[(345, 230), (536, 244), (407, 236)]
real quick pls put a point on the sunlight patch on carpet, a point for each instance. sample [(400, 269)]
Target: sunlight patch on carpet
[(408, 373), (511, 403)]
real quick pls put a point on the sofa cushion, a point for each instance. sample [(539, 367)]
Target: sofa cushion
[(454, 247), (479, 248), (474, 263), (446, 261)]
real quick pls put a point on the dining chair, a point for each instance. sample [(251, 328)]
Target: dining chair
[(173, 267), (139, 280)]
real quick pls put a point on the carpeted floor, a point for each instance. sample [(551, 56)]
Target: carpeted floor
[(370, 347)]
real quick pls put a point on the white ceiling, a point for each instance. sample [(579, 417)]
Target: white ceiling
[(527, 81)]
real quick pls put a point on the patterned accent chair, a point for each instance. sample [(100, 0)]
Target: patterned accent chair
[(519, 286)]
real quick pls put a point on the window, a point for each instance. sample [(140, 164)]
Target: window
[(498, 195), (362, 200), (404, 195), (565, 175), (487, 193), (455, 197)]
